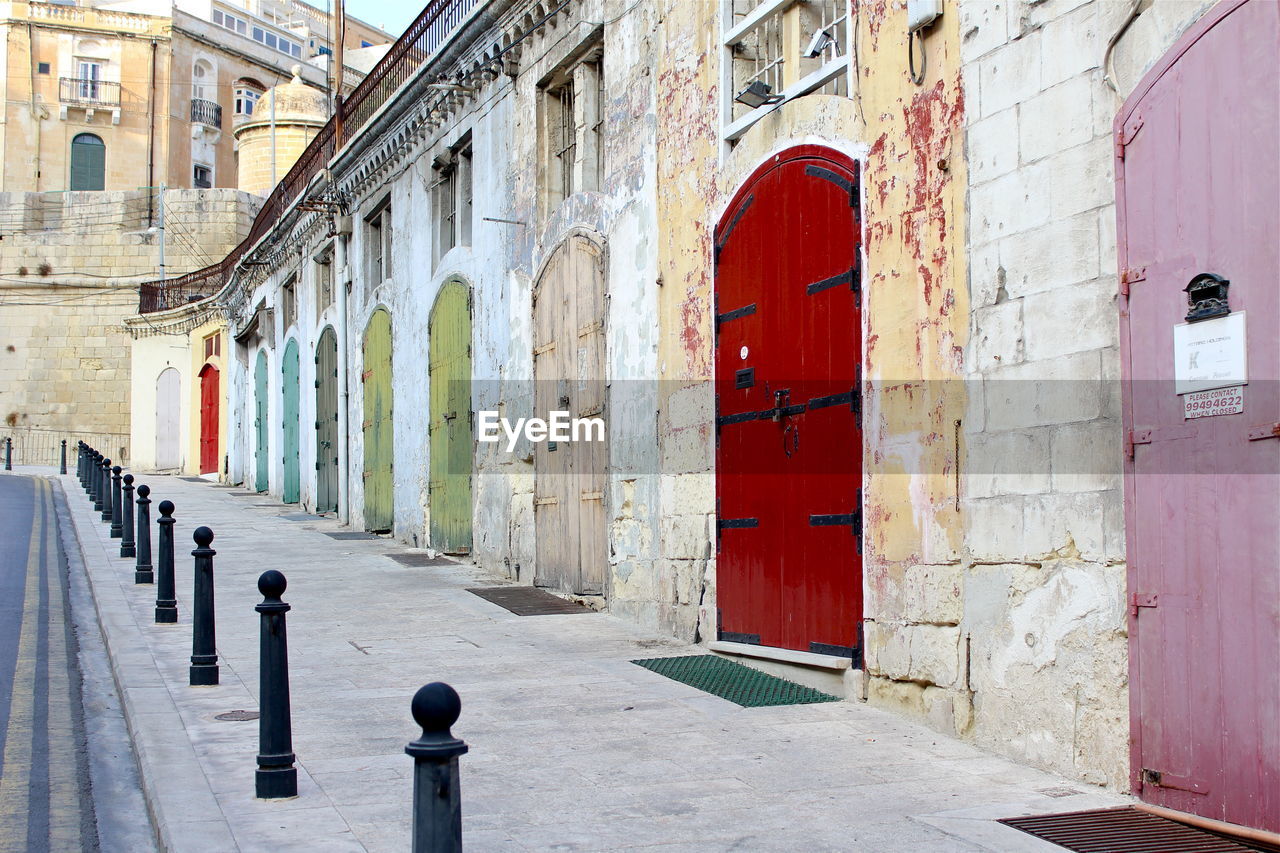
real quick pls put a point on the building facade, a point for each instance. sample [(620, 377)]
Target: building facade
[(848, 292), (127, 95)]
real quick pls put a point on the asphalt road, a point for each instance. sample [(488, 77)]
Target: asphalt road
[(45, 802)]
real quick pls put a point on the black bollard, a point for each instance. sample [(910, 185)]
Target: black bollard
[(84, 467), (127, 546), (62, 468), (437, 800), (80, 462), (204, 649), (117, 530), (142, 572), (91, 479), (8, 454), (276, 776), (102, 497)]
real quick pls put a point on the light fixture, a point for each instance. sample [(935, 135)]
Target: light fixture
[(757, 94), (821, 41)]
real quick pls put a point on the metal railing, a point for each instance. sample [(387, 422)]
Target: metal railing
[(206, 112), (86, 91), (37, 446), (420, 41)]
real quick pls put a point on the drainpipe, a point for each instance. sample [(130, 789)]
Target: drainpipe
[(342, 228), (151, 135)]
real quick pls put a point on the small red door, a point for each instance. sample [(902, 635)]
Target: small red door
[(209, 419), (1198, 165), (788, 431)]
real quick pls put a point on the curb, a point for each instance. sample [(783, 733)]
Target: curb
[(151, 746)]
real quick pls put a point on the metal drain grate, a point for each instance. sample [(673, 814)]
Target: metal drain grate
[(298, 516), (237, 716), (194, 479), (529, 601), (417, 560), (735, 682), (1125, 830), (351, 534), (244, 494)]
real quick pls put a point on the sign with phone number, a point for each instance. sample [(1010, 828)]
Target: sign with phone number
[(1219, 401)]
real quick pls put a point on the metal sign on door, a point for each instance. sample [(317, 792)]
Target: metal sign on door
[(1199, 181), (788, 425)]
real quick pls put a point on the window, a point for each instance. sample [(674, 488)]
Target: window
[(757, 51), (377, 240), (42, 68), (572, 129), (324, 282), (289, 303), (246, 100), (202, 80), (88, 163), (89, 78), (202, 176), (453, 197), (213, 345)]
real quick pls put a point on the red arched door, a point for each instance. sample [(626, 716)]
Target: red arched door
[(788, 424), (1199, 171), (209, 419)]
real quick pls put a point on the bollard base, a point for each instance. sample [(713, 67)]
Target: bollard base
[(276, 783), (128, 551), (167, 614), (117, 532), (204, 675), (144, 576)]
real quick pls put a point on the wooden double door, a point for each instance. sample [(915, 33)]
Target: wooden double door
[(450, 427), (569, 376), (788, 407)]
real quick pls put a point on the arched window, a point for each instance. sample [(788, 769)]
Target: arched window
[(202, 82), (88, 163)]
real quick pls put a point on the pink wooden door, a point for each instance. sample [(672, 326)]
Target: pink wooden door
[(1199, 192)]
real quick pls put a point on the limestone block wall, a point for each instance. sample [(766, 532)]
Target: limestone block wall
[(70, 265), (1041, 602)]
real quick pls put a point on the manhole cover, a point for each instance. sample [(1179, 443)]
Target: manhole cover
[(237, 716), (421, 560), (529, 601)]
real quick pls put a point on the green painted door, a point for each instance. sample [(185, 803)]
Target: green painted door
[(327, 422), (289, 387), (379, 437), (260, 420), (449, 372)]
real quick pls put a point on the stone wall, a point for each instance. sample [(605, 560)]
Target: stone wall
[(70, 265)]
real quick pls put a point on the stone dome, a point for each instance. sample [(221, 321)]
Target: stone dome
[(295, 103)]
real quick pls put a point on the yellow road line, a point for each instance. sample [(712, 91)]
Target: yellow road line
[(64, 767), (16, 779)]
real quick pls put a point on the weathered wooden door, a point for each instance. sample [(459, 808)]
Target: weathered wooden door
[(327, 421), (449, 373), (379, 437), (788, 425), (289, 390), (1199, 192), (568, 365), (260, 422), (168, 408), (210, 398)]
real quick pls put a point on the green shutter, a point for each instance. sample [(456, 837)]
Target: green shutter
[(449, 373), (88, 163), (379, 436), (290, 392)]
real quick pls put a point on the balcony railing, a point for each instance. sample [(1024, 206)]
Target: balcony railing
[(206, 112), (87, 92), (426, 35)]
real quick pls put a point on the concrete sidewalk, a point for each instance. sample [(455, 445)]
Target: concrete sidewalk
[(572, 746)]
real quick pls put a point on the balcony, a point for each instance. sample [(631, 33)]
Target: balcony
[(206, 112), (89, 94)]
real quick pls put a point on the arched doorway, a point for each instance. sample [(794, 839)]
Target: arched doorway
[(379, 435), (568, 371), (210, 397), (168, 410), (88, 158), (289, 391), (449, 374), (260, 422), (1199, 193), (327, 421), (788, 430)]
